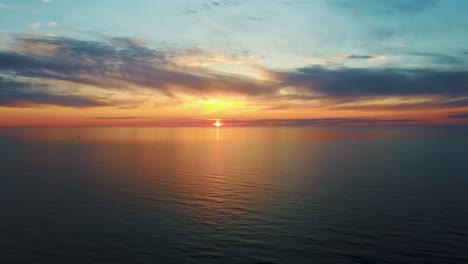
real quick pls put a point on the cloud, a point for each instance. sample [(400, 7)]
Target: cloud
[(120, 118), (184, 121), (367, 57), (317, 61), (129, 65), (404, 104), (254, 18), (317, 121), (459, 116), (389, 7), (118, 64), (52, 24), (221, 3), (381, 34), (345, 82), (357, 57), (17, 94), (210, 5), (190, 12), (46, 1), (35, 25), (439, 58), (339, 59)]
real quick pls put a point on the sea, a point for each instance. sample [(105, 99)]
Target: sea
[(234, 195)]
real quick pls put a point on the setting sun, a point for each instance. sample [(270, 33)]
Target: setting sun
[(217, 123)]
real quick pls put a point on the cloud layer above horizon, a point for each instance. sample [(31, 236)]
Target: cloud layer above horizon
[(398, 75)]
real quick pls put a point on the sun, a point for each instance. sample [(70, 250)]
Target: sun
[(217, 123)]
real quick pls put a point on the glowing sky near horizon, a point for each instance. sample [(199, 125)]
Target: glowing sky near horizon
[(188, 63)]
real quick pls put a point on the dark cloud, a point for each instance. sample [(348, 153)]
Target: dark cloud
[(210, 5), (439, 58), (382, 33), (359, 57), (26, 99), (17, 94), (120, 118), (317, 121), (118, 64), (253, 18), (344, 82), (439, 103), (459, 116), (410, 6), (223, 3), (388, 7), (190, 12)]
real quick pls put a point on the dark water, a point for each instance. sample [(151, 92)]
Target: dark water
[(234, 195)]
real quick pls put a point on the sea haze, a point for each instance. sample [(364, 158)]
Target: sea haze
[(234, 195)]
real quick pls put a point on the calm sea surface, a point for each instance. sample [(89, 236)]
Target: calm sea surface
[(234, 195)]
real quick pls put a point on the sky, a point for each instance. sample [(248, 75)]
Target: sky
[(246, 63)]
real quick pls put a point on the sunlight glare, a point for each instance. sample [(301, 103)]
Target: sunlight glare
[(217, 123)]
